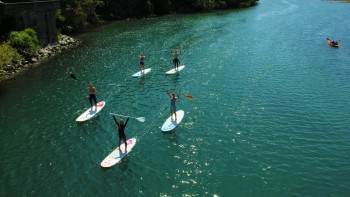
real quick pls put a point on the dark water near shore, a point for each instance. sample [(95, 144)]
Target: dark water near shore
[(270, 114)]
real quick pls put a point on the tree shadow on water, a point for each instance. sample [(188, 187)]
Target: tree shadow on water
[(3, 90)]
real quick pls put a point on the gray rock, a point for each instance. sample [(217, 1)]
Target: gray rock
[(33, 60), (43, 51), (8, 68)]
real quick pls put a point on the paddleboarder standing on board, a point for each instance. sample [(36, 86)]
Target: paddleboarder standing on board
[(92, 96), (142, 62), (172, 103), (176, 60), (121, 133)]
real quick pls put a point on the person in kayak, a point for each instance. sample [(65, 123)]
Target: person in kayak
[(176, 60), (332, 42), (121, 133), (172, 103), (142, 62), (92, 96)]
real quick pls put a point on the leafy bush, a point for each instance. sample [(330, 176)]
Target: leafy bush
[(60, 19), (7, 55), (59, 36), (161, 6), (26, 42), (79, 12)]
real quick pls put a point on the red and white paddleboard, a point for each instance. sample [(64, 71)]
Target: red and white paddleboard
[(117, 155), (91, 112)]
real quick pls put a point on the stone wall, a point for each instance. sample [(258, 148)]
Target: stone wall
[(38, 15)]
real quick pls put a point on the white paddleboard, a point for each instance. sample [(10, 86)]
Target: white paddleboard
[(174, 71), (91, 112), (117, 155), (171, 124), (141, 73)]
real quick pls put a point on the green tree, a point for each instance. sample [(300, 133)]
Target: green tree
[(60, 19), (75, 15), (181, 5), (80, 13), (204, 4), (90, 7), (116, 9), (161, 7), (8, 55), (26, 42)]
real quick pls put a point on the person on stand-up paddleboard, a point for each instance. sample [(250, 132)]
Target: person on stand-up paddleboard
[(176, 60), (121, 133), (92, 96), (142, 62), (172, 103)]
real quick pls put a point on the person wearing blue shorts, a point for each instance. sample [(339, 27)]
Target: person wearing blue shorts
[(172, 103)]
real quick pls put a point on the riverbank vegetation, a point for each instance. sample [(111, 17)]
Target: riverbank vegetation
[(7, 55), (25, 42), (76, 15), (19, 44), (22, 50)]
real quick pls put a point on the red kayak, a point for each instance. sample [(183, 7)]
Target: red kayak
[(333, 44)]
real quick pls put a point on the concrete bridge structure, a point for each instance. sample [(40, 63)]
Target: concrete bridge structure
[(38, 15)]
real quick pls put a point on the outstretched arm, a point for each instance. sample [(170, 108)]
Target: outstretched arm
[(126, 122), (115, 120), (167, 91)]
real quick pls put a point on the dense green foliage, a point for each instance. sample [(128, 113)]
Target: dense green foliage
[(78, 13), (122, 9), (26, 42), (161, 6), (7, 55), (84, 12)]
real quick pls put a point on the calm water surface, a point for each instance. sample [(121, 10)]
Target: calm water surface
[(270, 114)]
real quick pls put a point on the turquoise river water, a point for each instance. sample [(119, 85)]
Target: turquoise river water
[(269, 115)]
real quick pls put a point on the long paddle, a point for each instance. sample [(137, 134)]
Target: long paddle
[(332, 40), (75, 78), (140, 119), (189, 96)]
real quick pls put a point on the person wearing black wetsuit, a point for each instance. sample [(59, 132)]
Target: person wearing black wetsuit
[(176, 60), (121, 127)]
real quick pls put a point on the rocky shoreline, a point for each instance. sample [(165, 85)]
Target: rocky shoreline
[(15, 68)]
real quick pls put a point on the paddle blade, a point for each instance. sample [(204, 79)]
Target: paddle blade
[(141, 119), (73, 76), (189, 96)]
